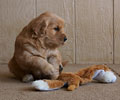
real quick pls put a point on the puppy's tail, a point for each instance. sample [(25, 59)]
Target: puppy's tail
[(48, 85)]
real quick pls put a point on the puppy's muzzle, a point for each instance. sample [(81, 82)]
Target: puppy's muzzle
[(60, 68)]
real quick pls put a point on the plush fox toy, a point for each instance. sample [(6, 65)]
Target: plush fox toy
[(101, 73)]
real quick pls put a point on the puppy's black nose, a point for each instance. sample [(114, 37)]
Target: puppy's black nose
[(60, 68), (65, 39)]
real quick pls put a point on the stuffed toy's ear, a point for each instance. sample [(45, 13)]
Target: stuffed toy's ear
[(48, 85), (64, 63)]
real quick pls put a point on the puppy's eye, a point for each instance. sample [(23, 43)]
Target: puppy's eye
[(56, 29)]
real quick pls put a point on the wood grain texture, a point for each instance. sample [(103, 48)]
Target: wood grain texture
[(65, 9), (14, 15), (94, 31), (89, 27), (117, 31)]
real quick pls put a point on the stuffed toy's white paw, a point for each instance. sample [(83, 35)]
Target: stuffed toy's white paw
[(104, 76), (40, 85), (44, 86)]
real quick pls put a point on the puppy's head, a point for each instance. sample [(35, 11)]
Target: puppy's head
[(50, 28)]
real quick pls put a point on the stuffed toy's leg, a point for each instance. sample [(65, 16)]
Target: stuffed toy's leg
[(48, 85), (70, 79)]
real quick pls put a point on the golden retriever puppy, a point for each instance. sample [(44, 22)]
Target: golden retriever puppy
[(36, 53)]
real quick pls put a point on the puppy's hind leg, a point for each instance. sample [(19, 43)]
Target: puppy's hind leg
[(18, 72), (28, 78)]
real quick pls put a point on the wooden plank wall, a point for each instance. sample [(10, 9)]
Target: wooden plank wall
[(117, 31), (14, 15), (92, 27), (94, 31)]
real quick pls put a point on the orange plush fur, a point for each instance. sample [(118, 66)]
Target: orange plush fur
[(83, 76)]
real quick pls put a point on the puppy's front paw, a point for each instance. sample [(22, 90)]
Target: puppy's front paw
[(51, 72)]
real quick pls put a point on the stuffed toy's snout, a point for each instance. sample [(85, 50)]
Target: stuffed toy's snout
[(104, 76)]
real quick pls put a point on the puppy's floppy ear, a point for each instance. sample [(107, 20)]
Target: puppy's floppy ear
[(39, 29)]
